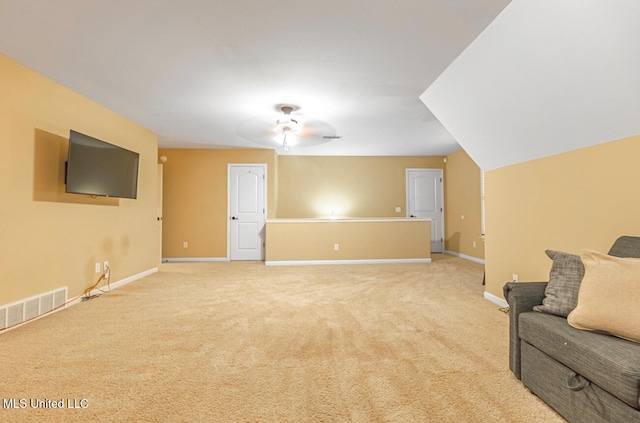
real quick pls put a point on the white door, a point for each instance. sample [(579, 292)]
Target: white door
[(425, 199), (247, 211)]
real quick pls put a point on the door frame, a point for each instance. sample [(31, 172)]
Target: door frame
[(159, 206), (229, 166), (440, 197)]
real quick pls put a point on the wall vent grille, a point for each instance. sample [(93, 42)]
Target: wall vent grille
[(15, 314), (29, 308), (46, 302), (59, 297)]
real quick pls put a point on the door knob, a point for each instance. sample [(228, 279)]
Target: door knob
[(234, 218)]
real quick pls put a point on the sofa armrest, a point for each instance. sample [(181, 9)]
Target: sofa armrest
[(521, 297)]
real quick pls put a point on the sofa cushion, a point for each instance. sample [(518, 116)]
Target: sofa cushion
[(609, 297), (561, 294), (611, 363), (626, 246)]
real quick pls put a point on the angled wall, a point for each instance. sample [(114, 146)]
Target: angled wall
[(545, 77), (569, 202)]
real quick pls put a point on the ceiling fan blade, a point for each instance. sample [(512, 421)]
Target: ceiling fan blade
[(315, 128), (257, 129)]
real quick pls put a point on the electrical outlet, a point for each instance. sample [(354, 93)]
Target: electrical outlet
[(105, 265), (398, 210), (474, 244), (185, 244), (336, 247), (515, 277), (97, 267)]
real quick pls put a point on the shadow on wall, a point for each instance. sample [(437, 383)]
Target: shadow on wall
[(453, 242), (49, 158)]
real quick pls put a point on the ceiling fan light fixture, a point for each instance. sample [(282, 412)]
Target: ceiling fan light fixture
[(286, 122), (286, 128), (286, 139), (287, 125)]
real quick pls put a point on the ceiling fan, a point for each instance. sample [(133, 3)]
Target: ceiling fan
[(287, 129)]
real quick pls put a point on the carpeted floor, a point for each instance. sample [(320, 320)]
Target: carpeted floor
[(244, 342)]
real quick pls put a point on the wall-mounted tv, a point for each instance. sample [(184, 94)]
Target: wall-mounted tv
[(98, 168)]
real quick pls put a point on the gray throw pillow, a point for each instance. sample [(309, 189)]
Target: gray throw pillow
[(561, 294)]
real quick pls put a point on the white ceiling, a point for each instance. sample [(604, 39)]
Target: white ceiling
[(193, 70), (546, 77)]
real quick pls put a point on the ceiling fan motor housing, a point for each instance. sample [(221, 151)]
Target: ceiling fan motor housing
[(286, 110)]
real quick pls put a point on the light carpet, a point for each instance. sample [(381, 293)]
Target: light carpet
[(245, 342)]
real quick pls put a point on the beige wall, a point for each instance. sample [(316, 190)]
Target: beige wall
[(393, 239), (49, 239), (195, 192), (463, 198), (195, 198), (568, 202), (350, 186)]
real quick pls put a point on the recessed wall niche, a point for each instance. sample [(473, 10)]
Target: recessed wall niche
[(50, 155)]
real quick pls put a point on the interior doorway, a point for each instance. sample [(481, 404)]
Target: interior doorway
[(425, 199), (247, 211)]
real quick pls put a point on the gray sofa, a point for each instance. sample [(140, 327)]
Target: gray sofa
[(585, 376)]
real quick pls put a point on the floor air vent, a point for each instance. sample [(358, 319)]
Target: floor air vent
[(21, 311)]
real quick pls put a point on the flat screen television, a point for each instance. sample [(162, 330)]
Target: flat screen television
[(98, 168)]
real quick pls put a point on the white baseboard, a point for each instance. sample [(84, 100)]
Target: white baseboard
[(366, 261), (496, 300), (464, 256), (192, 259), (118, 284), (77, 299)]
